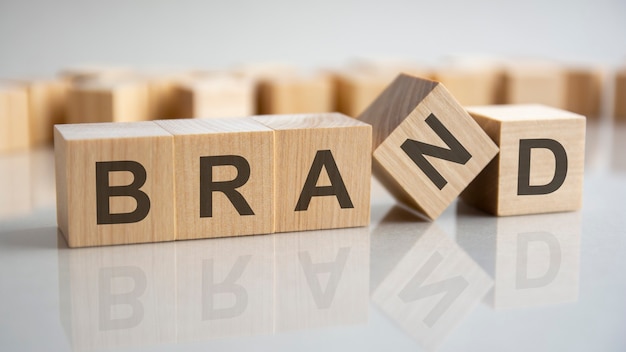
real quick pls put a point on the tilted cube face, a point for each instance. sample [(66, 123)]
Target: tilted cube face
[(541, 163), (427, 149)]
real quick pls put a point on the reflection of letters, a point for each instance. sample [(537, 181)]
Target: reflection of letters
[(229, 286), (108, 299), (324, 298), (523, 281), (415, 289)]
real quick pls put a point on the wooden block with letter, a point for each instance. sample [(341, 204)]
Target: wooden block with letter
[(47, 100), (322, 168), (104, 101), (115, 183), (14, 121), (541, 161), (295, 94), (620, 95), (224, 177), (216, 95), (427, 149)]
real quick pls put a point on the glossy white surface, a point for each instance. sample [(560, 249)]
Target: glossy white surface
[(551, 282)]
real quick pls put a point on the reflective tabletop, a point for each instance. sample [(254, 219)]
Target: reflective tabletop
[(465, 282)]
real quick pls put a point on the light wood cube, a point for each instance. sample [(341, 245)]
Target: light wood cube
[(90, 72), (217, 96), (535, 83), (224, 177), (47, 100), (541, 162), (427, 149), (583, 90), (14, 121), (294, 94), (115, 183), (620, 95), (471, 85), (322, 171), (103, 101)]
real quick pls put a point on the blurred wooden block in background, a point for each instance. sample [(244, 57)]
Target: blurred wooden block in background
[(535, 83), (414, 118), (224, 177), (115, 183), (583, 90), (322, 171), (14, 120), (89, 72), (16, 191), (295, 94), (109, 101), (47, 101), (619, 111), (358, 86), (164, 101), (541, 162), (217, 95), (471, 85)]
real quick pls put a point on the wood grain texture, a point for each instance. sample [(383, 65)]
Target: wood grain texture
[(295, 94), (400, 116), (535, 83), (583, 90), (217, 95), (47, 106), (14, 120), (239, 137), (299, 140), (79, 147), (109, 101), (619, 109), (495, 190)]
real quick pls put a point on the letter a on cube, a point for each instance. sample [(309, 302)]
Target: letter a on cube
[(322, 171), (115, 183), (427, 149), (541, 163)]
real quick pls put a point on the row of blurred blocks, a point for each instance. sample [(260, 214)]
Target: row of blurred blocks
[(29, 108)]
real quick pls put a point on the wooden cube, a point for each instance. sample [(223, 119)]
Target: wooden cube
[(90, 72), (104, 101), (115, 183), (583, 90), (471, 85), (225, 288), (118, 297), (416, 118), (535, 83), (224, 177), (421, 279), (47, 100), (541, 161), (322, 279), (14, 121), (217, 96), (164, 98), (321, 171), (16, 186), (294, 94), (619, 109)]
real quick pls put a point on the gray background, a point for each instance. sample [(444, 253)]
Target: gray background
[(39, 37)]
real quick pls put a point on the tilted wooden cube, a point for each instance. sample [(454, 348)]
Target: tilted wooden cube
[(322, 171), (14, 121), (224, 177), (427, 149), (115, 183), (541, 162)]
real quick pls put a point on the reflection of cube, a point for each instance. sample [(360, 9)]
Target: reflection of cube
[(427, 149), (233, 161), (225, 287), (322, 279), (322, 171), (121, 296), (115, 183), (14, 121), (541, 161)]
